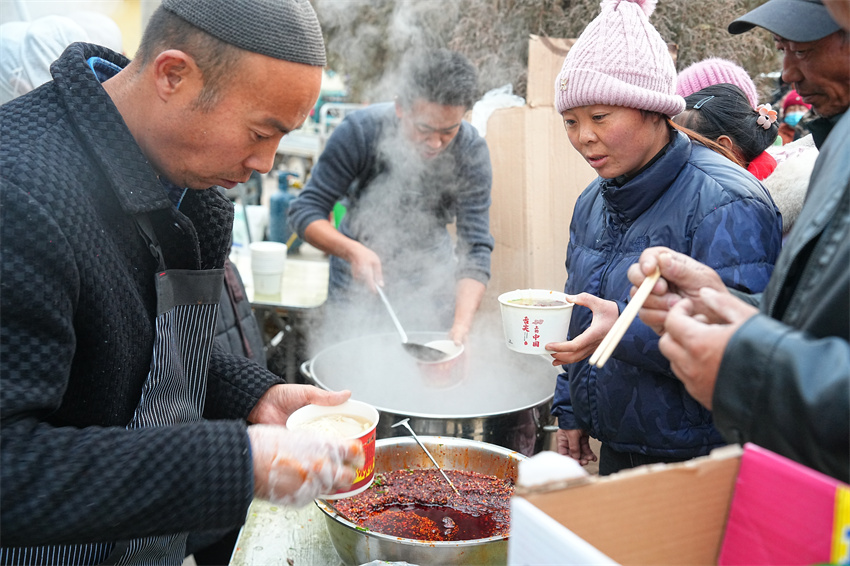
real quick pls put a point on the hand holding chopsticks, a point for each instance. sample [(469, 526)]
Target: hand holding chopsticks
[(609, 343)]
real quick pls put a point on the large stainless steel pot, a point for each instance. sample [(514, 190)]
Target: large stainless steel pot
[(359, 547), (490, 393)]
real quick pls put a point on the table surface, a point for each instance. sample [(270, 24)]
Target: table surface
[(304, 284), (277, 535)]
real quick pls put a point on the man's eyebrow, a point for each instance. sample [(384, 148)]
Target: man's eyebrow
[(276, 124)]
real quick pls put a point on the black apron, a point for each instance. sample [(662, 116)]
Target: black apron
[(174, 392)]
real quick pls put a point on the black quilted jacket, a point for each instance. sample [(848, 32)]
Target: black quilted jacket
[(77, 330)]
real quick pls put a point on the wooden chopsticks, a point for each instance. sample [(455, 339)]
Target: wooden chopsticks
[(609, 343)]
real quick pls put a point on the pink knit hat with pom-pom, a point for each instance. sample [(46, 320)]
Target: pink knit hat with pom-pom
[(713, 71), (620, 60)]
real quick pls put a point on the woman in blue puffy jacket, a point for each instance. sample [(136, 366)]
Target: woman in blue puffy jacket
[(657, 185)]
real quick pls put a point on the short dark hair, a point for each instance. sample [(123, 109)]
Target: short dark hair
[(216, 59), (441, 76), (723, 110)]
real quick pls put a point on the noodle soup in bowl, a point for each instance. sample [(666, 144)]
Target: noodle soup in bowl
[(532, 318), (351, 420)]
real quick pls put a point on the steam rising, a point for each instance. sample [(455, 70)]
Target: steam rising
[(355, 346), (399, 218)]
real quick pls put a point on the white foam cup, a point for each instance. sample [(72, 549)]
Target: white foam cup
[(267, 262), (529, 327)]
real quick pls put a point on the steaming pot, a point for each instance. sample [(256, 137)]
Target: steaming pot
[(489, 394)]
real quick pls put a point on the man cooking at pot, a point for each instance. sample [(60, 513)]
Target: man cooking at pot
[(405, 171), (124, 427)]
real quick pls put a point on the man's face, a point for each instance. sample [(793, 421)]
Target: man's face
[(819, 70), (265, 99), (430, 127)]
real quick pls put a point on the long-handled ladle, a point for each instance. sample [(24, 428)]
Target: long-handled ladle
[(418, 351), (405, 424)]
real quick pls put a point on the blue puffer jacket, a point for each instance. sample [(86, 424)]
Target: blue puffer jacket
[(694, 201)]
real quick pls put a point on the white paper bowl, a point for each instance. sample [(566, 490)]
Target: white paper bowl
[(528, 328)]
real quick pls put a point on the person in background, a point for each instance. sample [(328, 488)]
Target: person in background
[(722, 113), (656, 186), (775, 367), (124, 427), (406, 170), (793, 110), (795, 159), (712, 71), (28, 48)]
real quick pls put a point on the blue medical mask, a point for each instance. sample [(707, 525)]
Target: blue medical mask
[(793, 118)]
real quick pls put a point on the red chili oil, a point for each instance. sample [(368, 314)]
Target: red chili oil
[(419, 504)]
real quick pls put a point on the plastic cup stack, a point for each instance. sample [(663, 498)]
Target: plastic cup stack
[(267, 262)]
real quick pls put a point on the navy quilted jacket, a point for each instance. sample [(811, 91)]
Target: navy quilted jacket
[(76, 334), (694, 201)]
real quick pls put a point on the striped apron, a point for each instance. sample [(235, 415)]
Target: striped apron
[(174, 392)]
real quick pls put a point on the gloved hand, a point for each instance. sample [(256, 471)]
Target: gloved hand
[(294, 467)]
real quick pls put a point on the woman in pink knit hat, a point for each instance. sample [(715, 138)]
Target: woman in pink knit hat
[(657, 186), (712, 71)]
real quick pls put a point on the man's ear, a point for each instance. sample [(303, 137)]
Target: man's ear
[(175, 72)]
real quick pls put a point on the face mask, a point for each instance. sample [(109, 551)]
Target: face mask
[(793, 118)]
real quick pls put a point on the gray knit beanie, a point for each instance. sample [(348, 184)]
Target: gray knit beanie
[(283, 29)]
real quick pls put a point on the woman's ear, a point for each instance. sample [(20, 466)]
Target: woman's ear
[(726, 142)]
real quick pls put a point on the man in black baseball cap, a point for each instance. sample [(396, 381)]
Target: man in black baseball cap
[(816, 52), (795, 20), (775, 368)]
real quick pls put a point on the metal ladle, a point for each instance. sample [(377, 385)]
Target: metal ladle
[(418, 351), (406, 425)]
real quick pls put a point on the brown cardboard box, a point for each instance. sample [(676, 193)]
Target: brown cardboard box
[(545, 58), (660, 514), (537, 177), (734, 507)]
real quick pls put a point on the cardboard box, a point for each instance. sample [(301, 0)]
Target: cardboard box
[(537, 177), (735, 506), (545, 59)]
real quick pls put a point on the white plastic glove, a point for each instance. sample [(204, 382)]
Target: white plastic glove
[(294, 467)]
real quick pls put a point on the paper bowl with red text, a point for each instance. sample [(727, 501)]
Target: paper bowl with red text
[(532, 318), (351, 420)]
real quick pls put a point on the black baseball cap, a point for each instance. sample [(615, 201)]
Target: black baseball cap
[(794, 20)]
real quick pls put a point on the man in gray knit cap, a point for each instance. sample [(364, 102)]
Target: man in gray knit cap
[(124, 427)]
